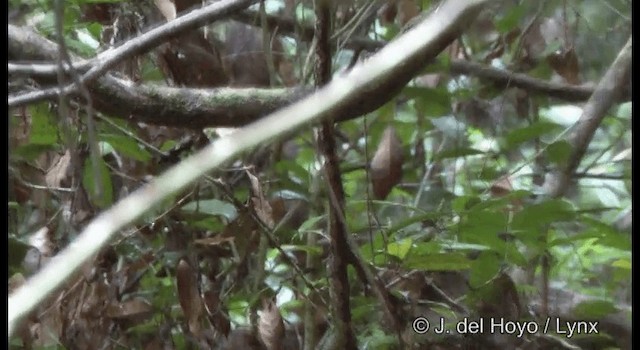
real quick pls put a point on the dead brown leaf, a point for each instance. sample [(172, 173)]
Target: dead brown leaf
[(216, 313), (260, 203), (407, 10), (387, 13), (501, 187), (566, 64), (59, 171), (386, 165), (189, 295), (271, 326), (131, 309)]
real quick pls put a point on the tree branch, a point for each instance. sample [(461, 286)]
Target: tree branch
[(137, 46), (199, 108), (608, 90), (339, 261), (500, 77), (610, 87)]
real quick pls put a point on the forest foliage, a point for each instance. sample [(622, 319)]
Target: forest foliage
[(448, 204)]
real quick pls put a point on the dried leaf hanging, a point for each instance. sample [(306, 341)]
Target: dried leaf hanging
[(260, 203), (189, 295), (386, 165), (271, 327)]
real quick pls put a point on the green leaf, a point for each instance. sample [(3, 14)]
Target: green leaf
[(424, 249), (312, 250), (212, 207), (573, 239), (79, 47), (484, 268), (622, 264), (463, 203), (559, 152), (126, 146), (95, 29), (618, 241), (47, 24), (518, 136), (430, 102), (594, 309), (500, 202), (168, 145), (362, 307), (305, 14), (405, 121), (550, 211), (513, 255), (310, 223), (438, 262), (205, 224), (511, 19), (400, 248), (44, 131), (150, 71), (89, 178), (493, 220), (607, 197), (483, 227)]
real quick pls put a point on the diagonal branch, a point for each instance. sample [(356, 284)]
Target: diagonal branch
[(611, 86), (609, 89)]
